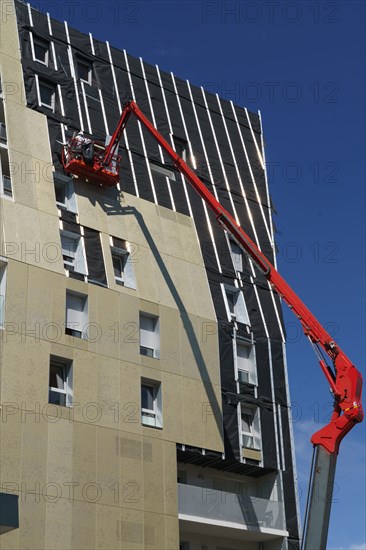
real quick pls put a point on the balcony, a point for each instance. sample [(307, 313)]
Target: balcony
[(231, 511)]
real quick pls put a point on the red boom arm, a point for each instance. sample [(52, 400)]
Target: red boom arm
[(346, 380)]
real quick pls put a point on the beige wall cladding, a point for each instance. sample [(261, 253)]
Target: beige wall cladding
[(28, 132), (9, 42), (92, 476), (32, 236), (12, 73)]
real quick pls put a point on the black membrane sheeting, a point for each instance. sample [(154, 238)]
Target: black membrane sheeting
[(266, 355)]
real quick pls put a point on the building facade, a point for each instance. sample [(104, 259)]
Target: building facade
[(144, 387)]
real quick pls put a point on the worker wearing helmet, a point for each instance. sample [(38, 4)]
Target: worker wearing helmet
[(84, 147)]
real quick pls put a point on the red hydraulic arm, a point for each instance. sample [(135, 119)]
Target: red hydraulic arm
[(344, 379)]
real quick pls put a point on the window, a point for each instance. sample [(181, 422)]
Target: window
[(3, 266), (5, 178), (181, 147), (73, 252), (245, 361), (46, 94), (149, 335), (85, 71), (236, 256), (40, 50), (3, 137), (76, 314), (182, 477), (64, 191), (151, 403), (235, 304), (124, 274), (162, 170), (60, 382), (250, 431)]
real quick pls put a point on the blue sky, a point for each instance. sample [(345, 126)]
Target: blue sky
[(303, 65)]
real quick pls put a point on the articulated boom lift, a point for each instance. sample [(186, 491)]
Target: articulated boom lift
[(344, 379)]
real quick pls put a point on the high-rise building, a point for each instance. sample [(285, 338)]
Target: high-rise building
[(144, 391)]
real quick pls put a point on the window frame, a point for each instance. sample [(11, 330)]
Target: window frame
[(156, 332), (240, 313), (69, 192), (89, 65), (234, 253), (67, 391), (181, 147), (4, 137), (40, 42), (3, 276), (3, 191), (122, 256), (252, 373), (50, 86), (255, 431), (71, 330), (167, 172), (79, 257), (121, 249), (152, 418)]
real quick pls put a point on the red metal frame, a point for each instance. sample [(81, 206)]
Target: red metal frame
[(99, 171), (346, 380)]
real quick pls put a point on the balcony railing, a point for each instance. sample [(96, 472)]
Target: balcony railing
[(252, 513)]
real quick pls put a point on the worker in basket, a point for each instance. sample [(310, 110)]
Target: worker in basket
[(84, 148)]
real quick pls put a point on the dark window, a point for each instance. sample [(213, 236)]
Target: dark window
[(85, 71), (41, 51)]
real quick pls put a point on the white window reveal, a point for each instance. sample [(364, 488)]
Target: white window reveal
[(3, 136), (60, 382), (236, 255), (250, 428), (85, 71), (151, 403), (159, 169), (40, 50), (124, 273), (76, 314), (149, 335), (3, 267), (181, 147), (235, 304), (245, 362), (46, 94), (64, 192), (6, 189), (73, 252)]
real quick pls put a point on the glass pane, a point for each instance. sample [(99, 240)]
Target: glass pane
[(147, 397), (69, 246), (60, 191), (84, 71), (40, 51), (7, 185), (149, 352), (248, 441), (246, 422), (47, 95), (243, 376), (231, 301), (57, 398), (57, 375), (117, 265)]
